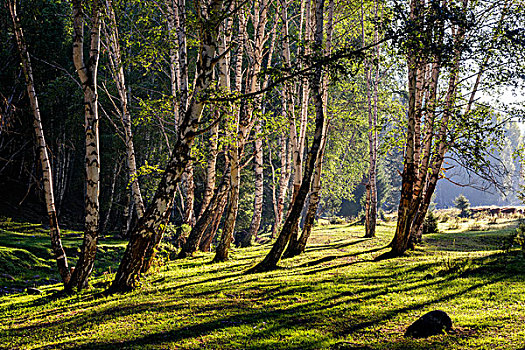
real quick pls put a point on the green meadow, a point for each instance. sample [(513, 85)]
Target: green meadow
[(333, 297)]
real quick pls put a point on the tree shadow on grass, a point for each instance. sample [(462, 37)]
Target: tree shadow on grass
[(281, 314), (334, 257), (300, 315), (336, 246), (469, 241)]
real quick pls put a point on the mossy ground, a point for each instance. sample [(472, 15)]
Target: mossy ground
[(333, 297)]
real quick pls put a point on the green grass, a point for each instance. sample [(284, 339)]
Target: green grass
[(333, 297)]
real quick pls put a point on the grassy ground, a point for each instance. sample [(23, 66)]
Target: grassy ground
[(333, 297)]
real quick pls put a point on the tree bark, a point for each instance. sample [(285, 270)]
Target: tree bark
[(87, 72), (284, 178), (418, 182), (259, 190), (298, 246), (210, 167), (371, 188), (47, 176), (207, 239), (235, 153)]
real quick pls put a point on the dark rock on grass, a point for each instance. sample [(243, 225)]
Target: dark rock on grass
[(34, 291), (432, 323)]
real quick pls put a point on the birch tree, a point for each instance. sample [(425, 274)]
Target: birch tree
[(148, 231), (298, 245), (47, 176), (270, 261), (87, 72), (117, 70), (437, 100)]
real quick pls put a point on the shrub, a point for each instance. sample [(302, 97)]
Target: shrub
[(444, 218), (519, 239), (337, 220), (476, 227), (454, 225), (430, 225)]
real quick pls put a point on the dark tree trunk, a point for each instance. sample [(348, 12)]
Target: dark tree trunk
[(192, 242)]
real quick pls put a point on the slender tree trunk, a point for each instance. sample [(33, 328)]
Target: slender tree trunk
[(116, 172), (235, 154), (371, 187), (47, 176), (118, 76), (298, 246), (231, 215), (418, 187), (189, 198), (270, 261), (284, 178), (259, 190), (273, 180), (147, 230), (87, 72), (210, 167), (298, 140), (224, 83)]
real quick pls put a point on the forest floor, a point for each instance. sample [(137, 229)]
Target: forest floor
[(333, 297)]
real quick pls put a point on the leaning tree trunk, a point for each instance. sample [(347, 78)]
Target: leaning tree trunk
[(298, 140), (292, 220), (209, 235), (222, 251), (47, 176), (192, 243), (298, 246), (147, 230), (118, 75), (87, 72), (210, 168)]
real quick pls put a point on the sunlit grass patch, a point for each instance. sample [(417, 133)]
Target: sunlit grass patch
[(333, 297)]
